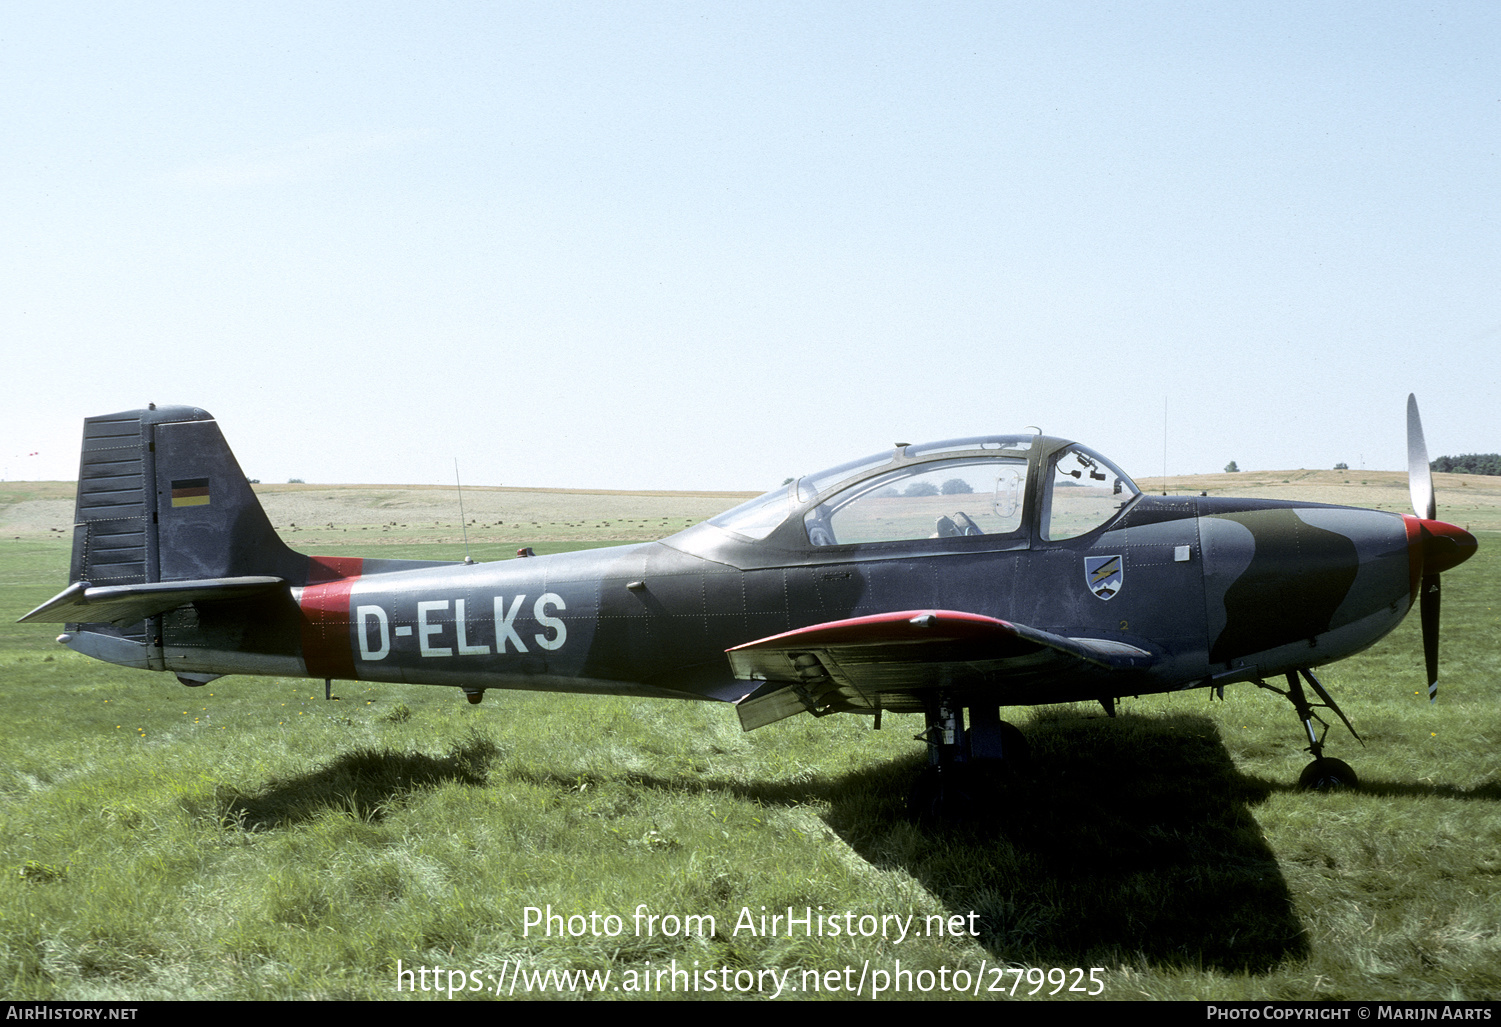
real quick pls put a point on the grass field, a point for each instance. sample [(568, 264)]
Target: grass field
[(248, 839)]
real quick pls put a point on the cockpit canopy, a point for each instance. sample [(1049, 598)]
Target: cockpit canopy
[(999, 486)]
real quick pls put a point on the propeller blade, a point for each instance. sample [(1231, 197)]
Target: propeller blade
[(1434, 546), (1419, 476), (1428, 611)]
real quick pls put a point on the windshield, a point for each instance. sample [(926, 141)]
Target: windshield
[(757, 518), (811, 486), (1084, 491)]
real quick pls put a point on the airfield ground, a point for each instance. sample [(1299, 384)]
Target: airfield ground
[(363, 515), (1472, 501), (249, 839)]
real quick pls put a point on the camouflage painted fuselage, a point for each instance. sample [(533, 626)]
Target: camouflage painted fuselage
[(1164, 593), (1263, 588)]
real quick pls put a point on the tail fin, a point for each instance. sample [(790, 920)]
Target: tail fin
[(161, 498), (166, 521)]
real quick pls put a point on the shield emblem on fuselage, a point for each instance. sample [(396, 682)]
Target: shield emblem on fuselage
[(1103, 575)]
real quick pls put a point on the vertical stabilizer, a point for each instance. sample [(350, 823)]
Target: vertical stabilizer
[(209, 522), (162, 498)]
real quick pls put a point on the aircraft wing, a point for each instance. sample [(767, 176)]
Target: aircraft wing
[(82, 602), (849, 664)]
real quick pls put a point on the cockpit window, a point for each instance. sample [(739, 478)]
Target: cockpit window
[(1086, 490), (811, 486), (760, 516), (1017, 443), (935, 500)]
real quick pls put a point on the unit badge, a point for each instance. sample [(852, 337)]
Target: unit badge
[(1103, 575)]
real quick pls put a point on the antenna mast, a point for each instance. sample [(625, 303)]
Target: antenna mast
[(1164, 445), (463, 522)]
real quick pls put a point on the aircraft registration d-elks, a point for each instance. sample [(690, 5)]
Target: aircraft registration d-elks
[(967, 575)]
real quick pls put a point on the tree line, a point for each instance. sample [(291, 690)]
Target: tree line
[(1469, 463)]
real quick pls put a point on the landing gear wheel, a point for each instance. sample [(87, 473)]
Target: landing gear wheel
[(1014, 745), (1327, 774), (995, 744)]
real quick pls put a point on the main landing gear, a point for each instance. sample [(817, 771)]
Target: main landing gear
[(961, 759), (1325, 773)]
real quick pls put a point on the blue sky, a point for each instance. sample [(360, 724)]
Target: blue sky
[(676, 245)]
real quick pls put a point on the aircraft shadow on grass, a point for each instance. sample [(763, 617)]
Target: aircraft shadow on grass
[(363, 782), (1488, 792), (1125, 841)]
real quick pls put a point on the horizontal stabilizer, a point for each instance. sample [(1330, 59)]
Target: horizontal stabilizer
[(84, 603), (848, 664)]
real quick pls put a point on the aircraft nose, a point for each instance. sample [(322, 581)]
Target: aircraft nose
[(1435, 546)]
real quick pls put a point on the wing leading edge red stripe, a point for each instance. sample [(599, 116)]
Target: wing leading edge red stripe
[(905, 626)]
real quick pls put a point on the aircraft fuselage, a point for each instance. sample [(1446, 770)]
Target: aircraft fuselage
[(1205, 582)]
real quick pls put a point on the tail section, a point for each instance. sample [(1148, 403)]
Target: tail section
[(176, 566), (166, 532), (161, 498)]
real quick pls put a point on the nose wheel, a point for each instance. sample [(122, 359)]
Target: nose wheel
[(1325, 773)]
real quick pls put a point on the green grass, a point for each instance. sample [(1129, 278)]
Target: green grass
[(248, 839)]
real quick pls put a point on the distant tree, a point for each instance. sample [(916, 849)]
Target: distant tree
[(1230, 468), (956, 487), (1341, 466), (1469, 463), (295, 481), (921, 488), (786, 481)]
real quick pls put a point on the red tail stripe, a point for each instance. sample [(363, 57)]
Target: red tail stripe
[(326, 644)]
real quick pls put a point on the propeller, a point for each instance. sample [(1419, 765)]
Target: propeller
[(1433, 546), (1419, 476)]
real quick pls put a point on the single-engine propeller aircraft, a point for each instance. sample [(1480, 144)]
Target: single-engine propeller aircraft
[(972, 574)]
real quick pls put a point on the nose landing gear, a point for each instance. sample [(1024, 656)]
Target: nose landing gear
[(1325, 773)]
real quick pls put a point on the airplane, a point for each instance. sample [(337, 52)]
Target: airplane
[(948, 578)]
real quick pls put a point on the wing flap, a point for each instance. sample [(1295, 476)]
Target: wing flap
[(84, 603)]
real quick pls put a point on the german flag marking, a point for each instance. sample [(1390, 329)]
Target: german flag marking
[(190, 492)]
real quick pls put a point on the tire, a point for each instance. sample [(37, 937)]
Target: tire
[(1328, 775), (1014, 745)]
